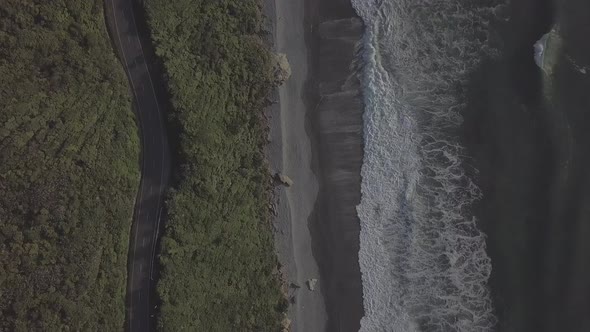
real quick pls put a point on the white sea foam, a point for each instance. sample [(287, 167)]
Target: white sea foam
[(423, 260)]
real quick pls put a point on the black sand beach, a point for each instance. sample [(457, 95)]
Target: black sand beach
[(526, 134), (316, 139)]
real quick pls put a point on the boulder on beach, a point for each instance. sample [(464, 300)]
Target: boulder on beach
[(311, 284), (286, 325), (281, 69), (285, 180)]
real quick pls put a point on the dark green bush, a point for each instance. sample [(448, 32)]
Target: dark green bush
[(68, 169), (217, 253)]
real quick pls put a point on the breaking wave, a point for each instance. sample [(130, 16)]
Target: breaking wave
[(423, 260)]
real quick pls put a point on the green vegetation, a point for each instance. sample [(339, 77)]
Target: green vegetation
[(217, 253), (69, 170)]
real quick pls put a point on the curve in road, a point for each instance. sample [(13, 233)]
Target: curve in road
[(155, 165)]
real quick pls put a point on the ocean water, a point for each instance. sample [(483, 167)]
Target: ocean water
[(423, 260)]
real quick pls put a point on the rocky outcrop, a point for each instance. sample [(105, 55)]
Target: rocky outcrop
[(547, 50), (283, 179), (286, 325), (281, 69), (311, 284)]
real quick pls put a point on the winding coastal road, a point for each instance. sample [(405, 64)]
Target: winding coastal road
[(155, 166)]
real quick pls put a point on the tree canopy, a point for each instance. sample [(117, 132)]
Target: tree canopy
[(69, 171), (217, 252)]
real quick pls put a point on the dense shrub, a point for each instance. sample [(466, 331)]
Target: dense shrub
[(68, 169), (217, 255)]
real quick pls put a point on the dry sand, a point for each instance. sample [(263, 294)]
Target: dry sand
[(316, 140), (296, 203)]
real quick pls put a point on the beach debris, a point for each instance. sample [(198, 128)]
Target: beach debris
[(294, 285), (311, 284), (273, 209), (285, 180), (281, 69)]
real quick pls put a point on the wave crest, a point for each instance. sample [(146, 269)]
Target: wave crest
[(423, 260)]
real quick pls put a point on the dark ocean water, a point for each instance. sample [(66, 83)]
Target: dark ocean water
[(423, 259), (475, 200), (529, 137)]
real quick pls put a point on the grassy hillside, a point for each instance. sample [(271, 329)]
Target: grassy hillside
[(217, 255), (68, 169)]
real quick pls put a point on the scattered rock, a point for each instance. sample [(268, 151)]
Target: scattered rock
[(285, 291), (311, 284), (285, 180), (286, 325), (281, 69), (294, 285)]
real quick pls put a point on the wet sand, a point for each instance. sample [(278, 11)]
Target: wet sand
[(316, 140), (336, 108)]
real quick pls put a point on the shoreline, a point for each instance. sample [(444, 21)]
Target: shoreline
[(336, 115), (315, 137)]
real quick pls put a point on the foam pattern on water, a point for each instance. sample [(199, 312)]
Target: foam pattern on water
[(423, 260)]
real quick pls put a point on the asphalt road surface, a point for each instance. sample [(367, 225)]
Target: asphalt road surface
[(155, 168)]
